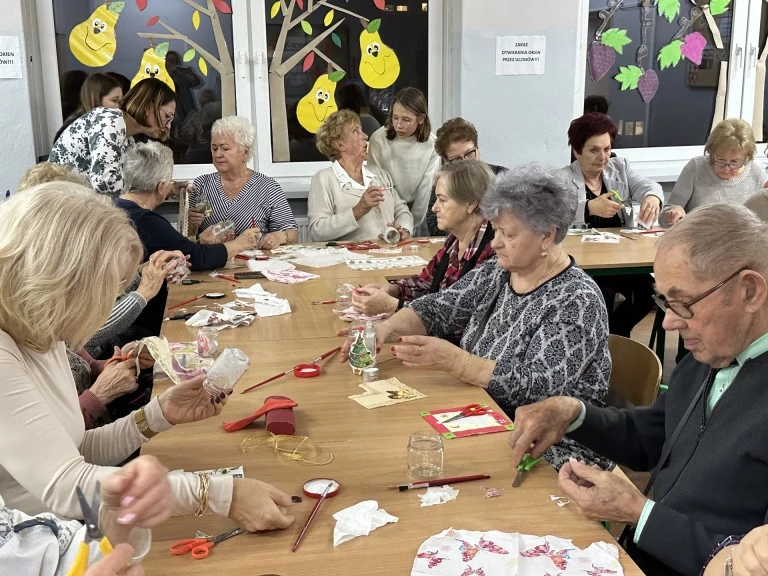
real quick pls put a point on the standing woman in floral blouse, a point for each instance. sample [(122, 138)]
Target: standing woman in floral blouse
[(534, 325), (94, 144)]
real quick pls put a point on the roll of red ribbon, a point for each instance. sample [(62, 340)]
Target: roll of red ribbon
[(306, 370)]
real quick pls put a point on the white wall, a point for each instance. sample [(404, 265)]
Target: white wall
[(17, 150), (520, 118)]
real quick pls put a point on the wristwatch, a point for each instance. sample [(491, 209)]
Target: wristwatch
[(141, 422)]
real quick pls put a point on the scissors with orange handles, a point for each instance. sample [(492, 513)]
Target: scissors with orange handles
[(468, 411), (120, 358), (199, 548)]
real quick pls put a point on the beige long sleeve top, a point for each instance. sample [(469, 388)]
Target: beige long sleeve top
[(45, 450), (330, 205), (412, 165)]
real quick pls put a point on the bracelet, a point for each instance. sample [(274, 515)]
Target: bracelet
[(141, 423), (285, 233), (202, 496), (464, 369)]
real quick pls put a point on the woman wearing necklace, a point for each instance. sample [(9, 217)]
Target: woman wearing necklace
[(534, 325), (237, 193)]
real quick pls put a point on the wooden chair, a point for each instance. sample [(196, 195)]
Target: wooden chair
[(635, 375)]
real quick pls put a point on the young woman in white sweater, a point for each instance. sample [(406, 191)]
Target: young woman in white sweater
[(405, 148)]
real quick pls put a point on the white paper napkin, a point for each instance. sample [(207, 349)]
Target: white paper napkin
[(222, 318), (272, 265), (359, 520), (438, 495)]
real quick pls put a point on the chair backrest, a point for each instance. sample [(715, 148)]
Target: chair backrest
[(635, 375)]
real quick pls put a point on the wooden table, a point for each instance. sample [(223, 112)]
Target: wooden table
[(626, 257), (369, 453)]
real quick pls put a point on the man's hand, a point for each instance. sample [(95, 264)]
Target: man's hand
[(600, 495), (603, 206), (539, 425)]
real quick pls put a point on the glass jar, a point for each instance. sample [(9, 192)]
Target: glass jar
[(140, 539), (425, 455), (226, 371), (391, 235), (362, 347)]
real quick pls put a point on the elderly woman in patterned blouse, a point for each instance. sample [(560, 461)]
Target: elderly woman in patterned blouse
[(535, 324)]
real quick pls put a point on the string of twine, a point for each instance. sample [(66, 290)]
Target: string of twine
[(296, 454)]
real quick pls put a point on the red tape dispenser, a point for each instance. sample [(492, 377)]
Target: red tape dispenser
[(279, 416)]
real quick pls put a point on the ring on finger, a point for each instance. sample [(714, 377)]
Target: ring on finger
[(419, 352)]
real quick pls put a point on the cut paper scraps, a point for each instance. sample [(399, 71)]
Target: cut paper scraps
[(493, 553), (93, 42), (383, 263)]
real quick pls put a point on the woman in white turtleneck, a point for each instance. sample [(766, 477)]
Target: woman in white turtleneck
[(405, 148)]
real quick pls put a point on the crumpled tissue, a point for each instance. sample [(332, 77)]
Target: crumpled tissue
[(438, 495), (264, 303), (223, 318), (359, 520), (271, 265)]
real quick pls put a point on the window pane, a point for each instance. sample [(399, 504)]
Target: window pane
[(680, 114), (354, 55), (168, 39)]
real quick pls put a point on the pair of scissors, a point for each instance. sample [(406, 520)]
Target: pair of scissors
[(121, 358), (525, 466), (92, 533), (469, 411), (199, 548)]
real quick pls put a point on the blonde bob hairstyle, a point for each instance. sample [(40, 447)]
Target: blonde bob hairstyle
[(332, 129), (65, 255), (49, 172), (465, 182), (731, 134)]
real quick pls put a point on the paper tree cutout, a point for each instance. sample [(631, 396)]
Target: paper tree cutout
[(93, 42), (153, 66), (222, 64), (379, 65), (319, 103), (359, 355), (283, 62)]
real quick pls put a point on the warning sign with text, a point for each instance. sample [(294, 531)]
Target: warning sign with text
[(520, 55)]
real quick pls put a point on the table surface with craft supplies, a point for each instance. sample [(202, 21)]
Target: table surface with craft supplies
[(364, 450)]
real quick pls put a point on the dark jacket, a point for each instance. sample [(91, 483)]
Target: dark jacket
[(715, 481)]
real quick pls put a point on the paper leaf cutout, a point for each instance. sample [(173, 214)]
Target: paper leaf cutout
[(307, 27), (374, 25), (328, 18), (162, 49), (379, 4), (308, 61), (141, 5), (152, 21), (116, 7), (189, 55), (203, 66), (693, 47), (275, 9), (670, 54), (601, 59), (336, 39), (629, 76), (616, 39), (222, 6), (196, 19), (718, 6), (648, 85), (336, 75), (669, 9), (300, 3)]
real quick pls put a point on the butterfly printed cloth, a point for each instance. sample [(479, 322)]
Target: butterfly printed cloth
[(493, 553)]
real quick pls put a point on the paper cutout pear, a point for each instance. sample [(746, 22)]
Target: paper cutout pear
[(379, 65), (93, 41), (153, 66), (319, 103)]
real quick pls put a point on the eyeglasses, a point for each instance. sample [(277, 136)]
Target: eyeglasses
[(720, 163), (468, 155), (683, 309), (169, 116), (404, 121)]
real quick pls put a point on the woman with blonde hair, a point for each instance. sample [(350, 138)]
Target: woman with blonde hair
[(405, 148), (97, 90), (349, 200), (726, 172), (49, 296), (94, 144)]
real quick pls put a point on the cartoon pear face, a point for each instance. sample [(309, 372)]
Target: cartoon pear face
[(319, 103), (93, 41), (153, 66), (379, 65)]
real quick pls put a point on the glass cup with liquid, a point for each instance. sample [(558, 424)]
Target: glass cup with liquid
[(425, 455), (226, 371)]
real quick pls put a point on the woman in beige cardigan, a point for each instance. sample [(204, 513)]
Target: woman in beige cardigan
[(351, 201)]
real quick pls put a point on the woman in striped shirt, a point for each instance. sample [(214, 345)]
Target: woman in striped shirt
[(237, 193)]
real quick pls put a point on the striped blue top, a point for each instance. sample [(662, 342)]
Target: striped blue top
[(261, 203)]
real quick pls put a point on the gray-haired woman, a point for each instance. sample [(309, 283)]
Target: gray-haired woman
[(535, 324)]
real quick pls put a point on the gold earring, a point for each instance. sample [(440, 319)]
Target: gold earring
[(543, 253)]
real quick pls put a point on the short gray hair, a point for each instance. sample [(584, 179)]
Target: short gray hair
[(146, 165), (719, 239), (239, 129), (536, 195)]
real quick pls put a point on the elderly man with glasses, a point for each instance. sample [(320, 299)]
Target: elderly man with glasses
[(706, 437)]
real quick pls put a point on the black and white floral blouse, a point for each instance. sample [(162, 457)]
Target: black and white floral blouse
[(94, 145), (552, 341)]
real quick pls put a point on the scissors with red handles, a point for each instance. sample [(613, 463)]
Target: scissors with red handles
[(468, 411), (199, 548)]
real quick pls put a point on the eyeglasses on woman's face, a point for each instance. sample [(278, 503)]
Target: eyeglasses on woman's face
[(722, 163), (683, 309), (468, 155)]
